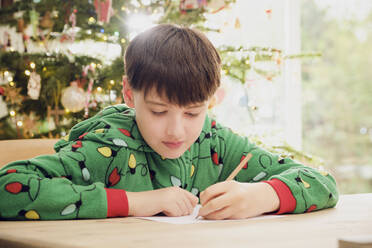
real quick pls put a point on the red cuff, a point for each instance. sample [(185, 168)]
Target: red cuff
[(117, 203), (286, 198)]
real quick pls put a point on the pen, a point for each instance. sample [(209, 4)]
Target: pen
[(239, 167)]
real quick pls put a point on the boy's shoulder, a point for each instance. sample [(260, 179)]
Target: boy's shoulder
[(119, 116), (114, 125)]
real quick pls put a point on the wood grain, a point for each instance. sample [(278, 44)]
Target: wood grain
[(325, 228)]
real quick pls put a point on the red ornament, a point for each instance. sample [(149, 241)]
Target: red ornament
[(104, 10)]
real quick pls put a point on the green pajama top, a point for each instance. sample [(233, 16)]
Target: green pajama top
[(105, 156)]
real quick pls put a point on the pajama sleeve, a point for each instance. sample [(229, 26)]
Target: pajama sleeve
[(299, 188)]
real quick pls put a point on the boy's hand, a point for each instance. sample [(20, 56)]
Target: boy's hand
[(235, 200), (172, 201), (176, 201)]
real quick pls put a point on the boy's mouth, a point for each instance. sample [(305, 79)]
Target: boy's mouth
[(173, 145)]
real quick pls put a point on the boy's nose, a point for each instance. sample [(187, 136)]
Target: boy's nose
[(175, 128)]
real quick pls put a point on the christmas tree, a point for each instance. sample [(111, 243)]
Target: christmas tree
[(48, 87)]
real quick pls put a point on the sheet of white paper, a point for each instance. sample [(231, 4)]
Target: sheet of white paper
[(191, 219)]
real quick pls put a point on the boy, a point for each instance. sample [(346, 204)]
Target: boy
[(160, 151)]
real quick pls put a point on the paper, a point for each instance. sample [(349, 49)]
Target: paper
[(191, 219)]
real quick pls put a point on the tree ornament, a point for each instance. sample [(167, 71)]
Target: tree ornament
[(72, 19), (104, 10), (47, 22), (215, 6), (90, 88), (189, 5), (20, 25), (2, 91), (6, 41), (73, 98), (29, 125), (12, 94), (34, 85)]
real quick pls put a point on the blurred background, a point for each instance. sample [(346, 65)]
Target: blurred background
[(296, 74)]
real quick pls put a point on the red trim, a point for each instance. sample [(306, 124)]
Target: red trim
[(287, 200), (117, 203)]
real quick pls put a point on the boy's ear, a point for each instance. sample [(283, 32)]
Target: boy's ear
[(127, 93)]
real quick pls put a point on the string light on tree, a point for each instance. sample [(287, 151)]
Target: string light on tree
[(32, 65), (91, 20)]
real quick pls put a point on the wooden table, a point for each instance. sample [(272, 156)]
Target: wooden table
[(12, 150), (351, 217)]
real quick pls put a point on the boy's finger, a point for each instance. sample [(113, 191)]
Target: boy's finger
[(189, 206), (224, 213), (214, 205), (181, 210), (212, 191), (192, 198)]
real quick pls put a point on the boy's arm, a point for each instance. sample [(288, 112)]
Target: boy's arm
[(59, 186), (75, 182), (299, 188), (85, 179)]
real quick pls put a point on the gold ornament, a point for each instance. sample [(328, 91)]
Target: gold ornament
[(29, 125), (20, 25), (47, 22), (12, 94)]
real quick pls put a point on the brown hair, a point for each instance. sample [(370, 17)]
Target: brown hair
[(179, 62)]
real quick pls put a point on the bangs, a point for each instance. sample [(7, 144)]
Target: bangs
[(179, 63)]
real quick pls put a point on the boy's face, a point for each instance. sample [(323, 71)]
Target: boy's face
[(167, 128)]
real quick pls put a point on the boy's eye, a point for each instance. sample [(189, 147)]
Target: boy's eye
[(158, 113), (192, 114)]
